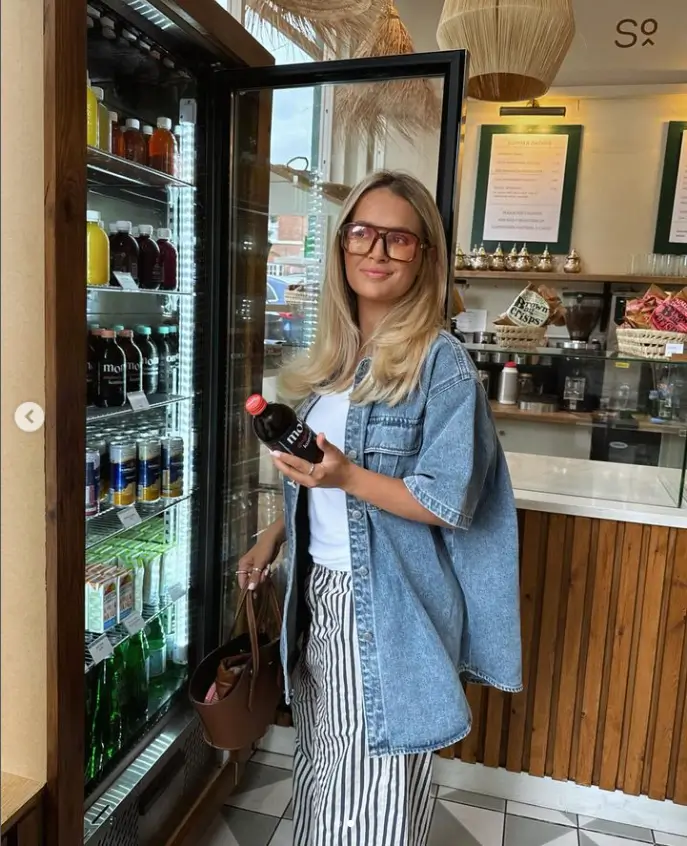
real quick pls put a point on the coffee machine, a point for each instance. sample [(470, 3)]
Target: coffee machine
[(581, 376)]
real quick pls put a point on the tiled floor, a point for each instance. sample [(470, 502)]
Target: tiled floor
[(259, 814)]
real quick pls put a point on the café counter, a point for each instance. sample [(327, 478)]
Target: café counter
[(604, 605)]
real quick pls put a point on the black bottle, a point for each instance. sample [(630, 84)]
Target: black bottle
[(111, 372), (134, 361), (92, 347), (151, 359), (278, 426)]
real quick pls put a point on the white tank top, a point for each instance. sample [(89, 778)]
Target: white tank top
[(329, 542)]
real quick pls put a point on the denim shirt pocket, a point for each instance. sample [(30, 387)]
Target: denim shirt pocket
[(392, 445)]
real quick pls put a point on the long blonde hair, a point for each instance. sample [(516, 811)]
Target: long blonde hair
[(401, 341)]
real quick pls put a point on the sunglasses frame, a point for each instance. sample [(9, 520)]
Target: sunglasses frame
[(382, 233)]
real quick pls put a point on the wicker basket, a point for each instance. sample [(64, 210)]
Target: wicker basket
[(647, 343), (520, 337)]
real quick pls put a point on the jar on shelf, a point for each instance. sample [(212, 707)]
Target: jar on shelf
[(97, 251)]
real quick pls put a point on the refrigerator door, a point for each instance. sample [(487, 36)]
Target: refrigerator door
[(287, 145)]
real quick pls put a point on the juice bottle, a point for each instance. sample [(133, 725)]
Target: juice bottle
[(147, 131), (168, 258), (91, 116), (118, 148), (151, 359), (134, 360), (111, 372), (149, 263), (134, 142), (123, 251), (97, 251), (163, 147), (104, 131)]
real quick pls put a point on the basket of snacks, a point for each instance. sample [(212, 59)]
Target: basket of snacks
[(653, 323), (523, 325)]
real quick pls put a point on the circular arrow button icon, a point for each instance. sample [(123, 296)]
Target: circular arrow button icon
[(29, 416)]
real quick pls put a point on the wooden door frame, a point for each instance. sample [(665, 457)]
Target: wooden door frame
[(65, 68)]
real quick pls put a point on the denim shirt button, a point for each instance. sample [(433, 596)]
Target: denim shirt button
[(352, 455), (367, 637), (363, 571), (357, 515)]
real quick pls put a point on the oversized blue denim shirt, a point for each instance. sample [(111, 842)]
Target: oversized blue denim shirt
[(431, 604)]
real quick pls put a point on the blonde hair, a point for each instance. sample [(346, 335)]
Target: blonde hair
[(402, 340)]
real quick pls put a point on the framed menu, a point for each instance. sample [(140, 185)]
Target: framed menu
[(671, 221), (526, 180)]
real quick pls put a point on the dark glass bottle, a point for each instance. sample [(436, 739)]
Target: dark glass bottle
[(173, 340), (149, 261), (134, 360), (151, 359), (168, 259), (166, 379), (123, 251), (113, 687), (92, 364), (111, 372), (278, 426)]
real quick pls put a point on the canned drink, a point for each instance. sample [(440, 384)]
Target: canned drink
[(92, 482), (148, 482), (104, 450), (172, 468), (123, 473)]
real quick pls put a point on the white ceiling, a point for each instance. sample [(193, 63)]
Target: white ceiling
[(594, 58)]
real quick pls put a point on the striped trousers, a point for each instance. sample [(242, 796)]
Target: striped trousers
[(341, 796)]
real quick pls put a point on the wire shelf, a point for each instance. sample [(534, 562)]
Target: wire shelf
[(96, 415)]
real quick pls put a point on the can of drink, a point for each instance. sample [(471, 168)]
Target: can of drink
[(123, 473), (92, 482), (104, 450), (172, 468), (148, 482)]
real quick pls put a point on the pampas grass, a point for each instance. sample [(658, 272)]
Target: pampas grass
[(410, 106), (329, 21), (516, 46)]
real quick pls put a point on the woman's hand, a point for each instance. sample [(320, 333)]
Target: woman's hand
[(254, 566), (334, 471)]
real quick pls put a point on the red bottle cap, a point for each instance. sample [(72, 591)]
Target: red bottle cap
[(509, 364), (256, 404)]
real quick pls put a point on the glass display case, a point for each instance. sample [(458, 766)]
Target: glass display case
[(590, 423)]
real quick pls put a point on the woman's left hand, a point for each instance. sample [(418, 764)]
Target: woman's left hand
[(333, 471)]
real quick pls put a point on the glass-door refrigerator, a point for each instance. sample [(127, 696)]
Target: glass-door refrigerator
[(184, 190)]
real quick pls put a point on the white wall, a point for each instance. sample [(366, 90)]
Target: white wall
[(22, 618)]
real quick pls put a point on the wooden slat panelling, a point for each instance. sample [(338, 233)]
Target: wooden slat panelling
[(604, 631)]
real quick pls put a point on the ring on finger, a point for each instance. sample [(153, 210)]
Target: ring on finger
[(312, 470)]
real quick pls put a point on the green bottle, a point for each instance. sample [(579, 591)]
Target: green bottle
[(113, 713), (95, 724), (126, 705), (137, 678), (158, 650)]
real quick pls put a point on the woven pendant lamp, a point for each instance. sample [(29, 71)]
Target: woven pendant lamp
[(409, 106), (329, 21), (516, 46)]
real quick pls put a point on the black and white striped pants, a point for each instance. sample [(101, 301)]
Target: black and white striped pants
[(341, 796)]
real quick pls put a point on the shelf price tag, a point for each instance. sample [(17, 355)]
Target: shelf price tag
[(134, 623), (138, 400), (126, 281), (129, 517), (176, 592), (101, 649), (674, 349)]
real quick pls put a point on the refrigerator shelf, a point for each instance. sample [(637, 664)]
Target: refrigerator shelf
[(95, 415), (112, 520), (106, 169), (112, 289), (119, 634)]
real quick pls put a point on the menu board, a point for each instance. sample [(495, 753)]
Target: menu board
[(525, 186), (671, 223)]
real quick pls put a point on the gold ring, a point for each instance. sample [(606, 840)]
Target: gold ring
[(312, 470)]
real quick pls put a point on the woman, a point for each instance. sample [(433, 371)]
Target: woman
[(402, 544)]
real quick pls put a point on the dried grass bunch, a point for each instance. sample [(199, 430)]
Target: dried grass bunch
[(516, 46), (328, 21), (410, 106)]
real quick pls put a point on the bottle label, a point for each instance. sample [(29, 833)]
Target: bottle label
[(148, 489), (300, 441), (123, 481)]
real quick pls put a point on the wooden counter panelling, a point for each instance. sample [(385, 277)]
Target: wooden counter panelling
[(604, 609)]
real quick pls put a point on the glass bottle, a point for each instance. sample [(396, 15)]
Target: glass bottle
[(97, 723), (158, 650), (134, 360), (173, 340), (123, 251), (111, 373), (97, 251), (151, 359), (166, 378), (115, 727), (147, 131), (168, 259), (134, 142), (91, 116), (137, 680), (149, 262), (117, 144), (104, 130), (163, 147)]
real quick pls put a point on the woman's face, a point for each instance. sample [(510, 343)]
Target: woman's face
[(375, 276)]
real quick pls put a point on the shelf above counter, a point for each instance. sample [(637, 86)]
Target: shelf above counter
[(592, 355), (140, 292), (568, 278)]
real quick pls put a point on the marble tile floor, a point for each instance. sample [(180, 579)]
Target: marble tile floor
[(259, 814)]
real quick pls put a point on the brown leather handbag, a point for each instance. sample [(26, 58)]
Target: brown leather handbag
[(243, 715)]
